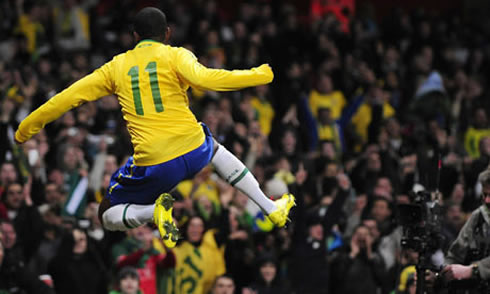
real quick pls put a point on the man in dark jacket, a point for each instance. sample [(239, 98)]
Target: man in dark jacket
[(309, 267), (360, 264)]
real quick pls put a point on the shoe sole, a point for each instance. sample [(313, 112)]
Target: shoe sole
[(166, 226)]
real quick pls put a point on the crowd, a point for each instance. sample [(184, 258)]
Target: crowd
[(358, 116)]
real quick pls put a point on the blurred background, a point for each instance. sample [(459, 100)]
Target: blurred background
[(367, 96)]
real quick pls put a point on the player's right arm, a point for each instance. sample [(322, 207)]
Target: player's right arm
[(199, 76), (91, 87)]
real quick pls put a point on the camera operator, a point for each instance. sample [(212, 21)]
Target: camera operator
[(468, 258)]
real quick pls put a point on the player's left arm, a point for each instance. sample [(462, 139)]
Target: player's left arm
[(91, 87)]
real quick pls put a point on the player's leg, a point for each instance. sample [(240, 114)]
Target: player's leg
[(236, 174), (133, 198), (122, 217)]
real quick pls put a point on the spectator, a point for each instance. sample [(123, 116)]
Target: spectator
[(128, 282), (199, 259), (325, 93), (385, 106), (223, 285), (360, 264), (14, 276), (25, 217), (71, 22), (77, 267), (139, 251), (268, 281)]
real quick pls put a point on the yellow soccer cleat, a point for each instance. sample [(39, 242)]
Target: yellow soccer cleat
[(162, 216), (280, 216)]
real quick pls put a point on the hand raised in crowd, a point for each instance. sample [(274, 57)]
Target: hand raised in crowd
[(343, 181), (354, 246), (301, 175), (8, 107), (27, 191), (369, 246)]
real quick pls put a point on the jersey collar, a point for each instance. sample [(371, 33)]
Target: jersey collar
[(145, 41)]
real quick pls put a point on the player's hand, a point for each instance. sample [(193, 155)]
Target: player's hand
[(457, 272), (266, 69)]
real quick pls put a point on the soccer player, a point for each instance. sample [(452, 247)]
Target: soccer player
[(169, 144)]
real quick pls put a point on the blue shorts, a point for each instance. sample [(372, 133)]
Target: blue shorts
[(143, 184)]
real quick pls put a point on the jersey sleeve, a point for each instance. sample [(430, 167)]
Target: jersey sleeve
[(91, 87), (199, 76)]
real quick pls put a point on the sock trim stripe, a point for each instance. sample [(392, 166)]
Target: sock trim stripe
[(125, 222), (244, 172)]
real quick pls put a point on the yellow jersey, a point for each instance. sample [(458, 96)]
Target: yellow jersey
[(266, 114), (196, 268), (362, 118), (472, 139), (335, 101), (151, 83)]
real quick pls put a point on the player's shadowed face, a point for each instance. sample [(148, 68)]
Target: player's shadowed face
[(195, 229)]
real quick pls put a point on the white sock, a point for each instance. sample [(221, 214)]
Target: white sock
[(234, 172), (123, 217)]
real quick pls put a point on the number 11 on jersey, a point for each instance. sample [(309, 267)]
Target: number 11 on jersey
[(133, 72)]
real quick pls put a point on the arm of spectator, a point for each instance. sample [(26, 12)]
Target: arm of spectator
[(93, 86), (376, 120), (130, 259), (307, 118), (223, 231), (97, 172), (335, 209), (167, 260), (8, 107), (298, 215), (199, 76), (31, 283), (31, 230)]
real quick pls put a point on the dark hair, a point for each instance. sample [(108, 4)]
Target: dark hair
[(223, 276), (127, 271), (150, 23)]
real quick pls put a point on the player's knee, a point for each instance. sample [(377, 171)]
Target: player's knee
[(215, 146), (103, 207), (107, 222)]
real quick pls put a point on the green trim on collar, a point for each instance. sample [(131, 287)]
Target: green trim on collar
[(147, 40)]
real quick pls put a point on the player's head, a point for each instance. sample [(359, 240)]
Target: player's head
[(151, 23)]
